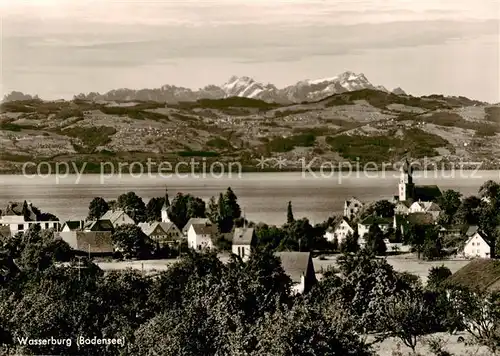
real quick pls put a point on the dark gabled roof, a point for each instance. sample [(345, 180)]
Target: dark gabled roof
[(114, 215), (420, 219), (471, 230), (194, 221), (407, 204), (426, 192), (95, 241), (16, 208), (204, 229), (297, 264), (480, 274), (483, 235), (99, 225), (5, 232), (372, 219), (243, 236), (73, 224)]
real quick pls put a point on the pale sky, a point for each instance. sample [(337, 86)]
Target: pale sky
[(57, 48)]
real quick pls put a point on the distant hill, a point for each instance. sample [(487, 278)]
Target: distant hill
[(366, 125)]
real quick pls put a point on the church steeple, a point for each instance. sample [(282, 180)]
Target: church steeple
[(164, 209), (406, 186)]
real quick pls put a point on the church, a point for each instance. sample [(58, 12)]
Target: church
[(409, 192)]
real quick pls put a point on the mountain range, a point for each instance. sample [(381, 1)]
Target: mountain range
[(302, 91)]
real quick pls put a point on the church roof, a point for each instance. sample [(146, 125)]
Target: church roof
[(426, 192)]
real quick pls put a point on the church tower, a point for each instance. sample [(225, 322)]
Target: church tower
[(164, 209), (406, 186)]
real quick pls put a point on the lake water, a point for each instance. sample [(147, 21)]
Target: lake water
[(264, 196)]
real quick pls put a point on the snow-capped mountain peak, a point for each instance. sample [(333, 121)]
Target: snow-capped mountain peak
[(244, 86)]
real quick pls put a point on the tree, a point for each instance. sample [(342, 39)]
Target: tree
[(480, 315), (437, 275), (185, 207), (213, 210), (350, 243), (289, 213), (449, 202), (432, 247), (375, 241), (384, 209), (232, 207), (131, 241), (153, 209), (468, 213), (415, 237), (133, 205), (490, 190), (335, 244), (97, 208), (407, 317)]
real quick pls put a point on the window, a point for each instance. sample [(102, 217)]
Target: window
[(46, 225), (242, 252), (20, 227), (473, 244), (239, 252)]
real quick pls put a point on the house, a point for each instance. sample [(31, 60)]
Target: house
[(200, 236), (98, 225), (73, 225), (403, 222), (364, 226), (408, 191), (194, 221), (481, 275), (244, 240), (478, 245), (340, 231), (163, 233), (117, 218), (300, 268), (19, 216), (402, 208), (352, 207), (425, 207), (94, 243)]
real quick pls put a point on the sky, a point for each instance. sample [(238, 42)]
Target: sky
[(58, 48)]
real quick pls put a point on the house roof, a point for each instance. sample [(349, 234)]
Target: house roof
[(243, 236), (149, 228), (113, 215), (16, 208), (204, 229), (420, 219), (372, 219), (471, 230), (5, 232), (73, 224), (296, 264), (343, 220), (95, 241), (479, 274), (426, 192), (194, 221), (405, 203), (431, 206), (99, 225)]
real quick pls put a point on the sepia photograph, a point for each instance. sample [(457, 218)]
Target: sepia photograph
[(250, 178)]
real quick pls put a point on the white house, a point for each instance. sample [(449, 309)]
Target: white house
[(20, 216), (364, 226), (72, 225), (200, 236), (300, 268), (477, 246), (117, 218), (402, 208), (243, 242), (425, 207), (352, 207), (192, 221), (340, 231)]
